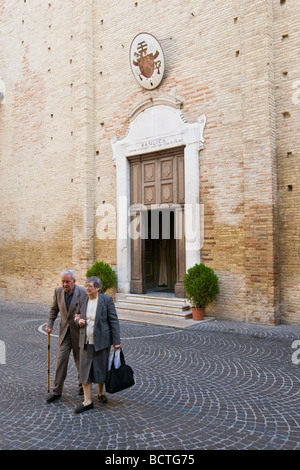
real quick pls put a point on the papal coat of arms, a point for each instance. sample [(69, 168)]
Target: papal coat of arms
[(147, 60)]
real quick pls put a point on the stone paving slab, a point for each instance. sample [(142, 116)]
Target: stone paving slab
[(212, 386)]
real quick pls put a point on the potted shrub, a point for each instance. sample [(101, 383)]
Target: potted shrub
[(201, 286), (105, 273)]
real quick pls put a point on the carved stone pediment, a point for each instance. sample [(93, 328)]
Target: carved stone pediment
[(156, 124)]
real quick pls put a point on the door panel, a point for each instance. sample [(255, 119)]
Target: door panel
[(157, 181)]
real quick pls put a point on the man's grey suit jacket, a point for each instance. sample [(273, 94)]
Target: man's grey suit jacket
[(67, 317)]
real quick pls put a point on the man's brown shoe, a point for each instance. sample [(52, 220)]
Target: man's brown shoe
[(53, 398)]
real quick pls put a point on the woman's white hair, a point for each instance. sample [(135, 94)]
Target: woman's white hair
[(95, 280)]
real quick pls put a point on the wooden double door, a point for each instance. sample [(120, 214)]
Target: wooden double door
[(157, 222)]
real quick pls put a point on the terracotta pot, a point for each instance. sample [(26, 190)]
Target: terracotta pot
[(198, 313)]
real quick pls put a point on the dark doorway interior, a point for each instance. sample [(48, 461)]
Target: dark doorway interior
[(160, 251)]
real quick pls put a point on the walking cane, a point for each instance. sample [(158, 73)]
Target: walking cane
[(48, 362)]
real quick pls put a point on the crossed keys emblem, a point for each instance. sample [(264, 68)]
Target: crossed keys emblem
[(147, 60)]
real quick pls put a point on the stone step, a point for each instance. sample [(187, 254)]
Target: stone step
[(153, 304), (171, 321), (148, 308), (174, 302)]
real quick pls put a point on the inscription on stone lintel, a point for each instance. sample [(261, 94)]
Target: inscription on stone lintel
[(154, 144)]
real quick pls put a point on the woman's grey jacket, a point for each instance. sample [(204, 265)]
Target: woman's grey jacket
[(106, 328)]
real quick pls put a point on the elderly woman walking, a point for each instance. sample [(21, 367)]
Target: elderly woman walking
[(99, 329)]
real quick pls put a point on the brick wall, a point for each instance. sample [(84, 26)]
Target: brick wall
[(287, 99), (69, 92)]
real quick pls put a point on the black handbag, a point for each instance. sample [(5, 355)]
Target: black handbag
[(120, 378)]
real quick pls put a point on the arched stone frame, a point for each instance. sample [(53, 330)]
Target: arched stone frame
[(156, 124)]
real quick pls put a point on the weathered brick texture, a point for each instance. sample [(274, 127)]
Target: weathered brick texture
[(69, 92)]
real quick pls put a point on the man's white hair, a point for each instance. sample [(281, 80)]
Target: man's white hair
[(69, 272)]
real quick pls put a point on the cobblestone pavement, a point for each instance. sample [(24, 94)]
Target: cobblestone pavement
[(215, 385)]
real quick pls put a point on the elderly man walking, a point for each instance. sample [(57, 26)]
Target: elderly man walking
[(66, 301)]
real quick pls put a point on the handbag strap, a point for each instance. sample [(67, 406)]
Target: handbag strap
[(122, 359)]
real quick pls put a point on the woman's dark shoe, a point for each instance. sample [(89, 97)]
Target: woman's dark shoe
[(102, 398), (83, 408)]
